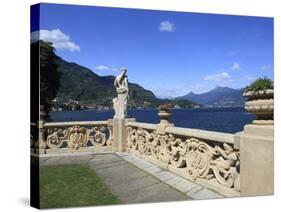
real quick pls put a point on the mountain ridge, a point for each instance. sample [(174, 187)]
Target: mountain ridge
[(220, 96)]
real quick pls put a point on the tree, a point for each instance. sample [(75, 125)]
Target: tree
[(49, 74)]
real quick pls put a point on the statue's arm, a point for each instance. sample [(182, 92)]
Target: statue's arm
[(126, 82), (122, 75)]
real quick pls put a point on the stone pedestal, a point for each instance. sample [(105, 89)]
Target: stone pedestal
[(164, 114), (119, 134), (257, 160)]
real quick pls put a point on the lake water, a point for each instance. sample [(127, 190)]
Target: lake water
[(228, 120)]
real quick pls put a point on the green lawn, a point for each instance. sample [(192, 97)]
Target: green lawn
[(72, 185)]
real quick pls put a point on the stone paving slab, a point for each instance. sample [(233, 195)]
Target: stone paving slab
[(203, 193), (152, 169), (121, 154), (164, 175), (181, 184), (137, 162)]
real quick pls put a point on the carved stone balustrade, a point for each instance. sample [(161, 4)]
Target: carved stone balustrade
[(207, 158), (77, 136)]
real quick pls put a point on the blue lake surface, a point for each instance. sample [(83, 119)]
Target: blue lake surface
[(228, 120)]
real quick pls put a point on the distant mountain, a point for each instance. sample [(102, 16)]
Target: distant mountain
[(81, 84), (218, 97)]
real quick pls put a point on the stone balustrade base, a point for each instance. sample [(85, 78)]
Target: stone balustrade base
[(90, 149)]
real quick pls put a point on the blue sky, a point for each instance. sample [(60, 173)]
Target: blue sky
[(170, 53)]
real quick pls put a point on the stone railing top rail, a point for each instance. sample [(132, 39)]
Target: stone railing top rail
[(142, 125), (201, 134), (73, 123)]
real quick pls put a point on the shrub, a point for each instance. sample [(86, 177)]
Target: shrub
[(260, 84)]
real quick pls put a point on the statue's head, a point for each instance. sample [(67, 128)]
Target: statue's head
[(123, 70)]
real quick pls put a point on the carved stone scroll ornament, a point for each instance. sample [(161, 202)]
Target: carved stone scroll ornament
[(138, 139), (131, 138), (165, 150), (178, 153), (53, 139), (198, 158), (154, 144), (99, 136), (76, 136), (142, 141)]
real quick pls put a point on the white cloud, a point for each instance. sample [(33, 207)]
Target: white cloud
[(101, 68), (167, 26), (58, 38), (266, 68), (105, 68), (235, 66), (222, 77)]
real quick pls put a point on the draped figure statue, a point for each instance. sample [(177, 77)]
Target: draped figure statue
[(120, 102)]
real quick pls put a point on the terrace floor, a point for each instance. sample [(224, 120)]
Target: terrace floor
[(134, 180)]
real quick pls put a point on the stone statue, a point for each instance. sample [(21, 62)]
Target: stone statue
[(120, 102)]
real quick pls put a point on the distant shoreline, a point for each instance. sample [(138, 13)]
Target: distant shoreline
[(140, 109)]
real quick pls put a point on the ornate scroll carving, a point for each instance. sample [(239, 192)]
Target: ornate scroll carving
[(209, 160), (99, 136), (164, 148), (77, 136), (178, 147), (198, 157), (53, 139)]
